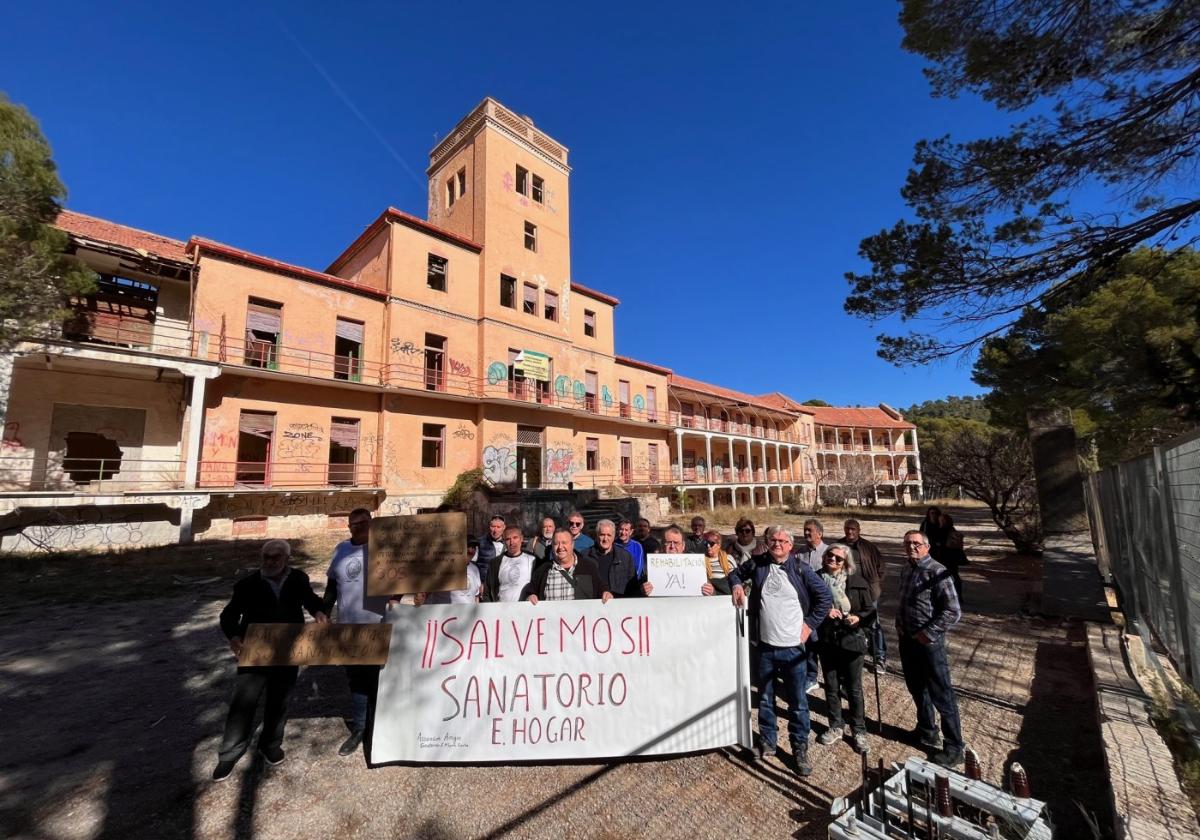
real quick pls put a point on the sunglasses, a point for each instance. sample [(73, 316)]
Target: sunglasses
[(711, 543), (833, 558), (745, 530), (576, 524)]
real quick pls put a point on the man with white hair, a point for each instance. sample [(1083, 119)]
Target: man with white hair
[(616, 566), (788, 602), (274, 594)]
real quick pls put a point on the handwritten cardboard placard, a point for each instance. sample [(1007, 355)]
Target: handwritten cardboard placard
[(315, 644), (676, 574), (426, 552)]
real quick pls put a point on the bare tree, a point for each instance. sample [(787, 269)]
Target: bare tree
[(995, 467)]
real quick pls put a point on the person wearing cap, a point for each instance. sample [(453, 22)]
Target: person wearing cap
[(274, 594)]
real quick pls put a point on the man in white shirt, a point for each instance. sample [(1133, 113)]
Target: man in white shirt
[(346, 587), (470, 595), (812, 554), (510, 572)]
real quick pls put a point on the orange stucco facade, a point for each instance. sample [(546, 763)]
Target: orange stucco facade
[(427, 348)]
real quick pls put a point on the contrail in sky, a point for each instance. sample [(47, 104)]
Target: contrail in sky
[(341, 94)]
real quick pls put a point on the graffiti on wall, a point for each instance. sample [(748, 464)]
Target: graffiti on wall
[(404, 348), (303, 442), (560, 465), (293, 504), (376, 451), (639, 402), (500, 464), (562, 386), (459, 367), (497, 372), (12, 436), (77, 529), (463, 433), (606, 396)]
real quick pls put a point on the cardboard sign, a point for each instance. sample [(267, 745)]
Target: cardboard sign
[(676, 574), (563, 680), (426, 552), (315, 644)]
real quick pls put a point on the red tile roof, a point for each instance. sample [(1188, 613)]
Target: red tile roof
[(625, 360), (783, 401), (197, 244), (592, 293), (392, 214), (102, 230), (862, 418), (724, 393)]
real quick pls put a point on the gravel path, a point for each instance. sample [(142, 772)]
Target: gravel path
[(112, 714)]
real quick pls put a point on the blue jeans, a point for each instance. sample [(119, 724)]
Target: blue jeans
[(927, 674), (364, 682), (792, 664)]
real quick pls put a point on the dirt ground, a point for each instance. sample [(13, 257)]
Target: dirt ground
[(114, 680)]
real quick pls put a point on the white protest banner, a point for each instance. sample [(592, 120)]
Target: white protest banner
[(563, 680), (676, 574)]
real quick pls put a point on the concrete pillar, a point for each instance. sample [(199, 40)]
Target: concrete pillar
[(711, 499), (195, 431), (1056, 469), (6, 369), (709, 468)]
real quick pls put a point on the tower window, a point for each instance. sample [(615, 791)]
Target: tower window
[(538, 189), (522, 180), (462, 182), (589, 323), (530, 236), (508, 291)]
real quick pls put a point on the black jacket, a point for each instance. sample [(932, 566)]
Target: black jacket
[(858, 590), (811, 591), (617, 571), (587, 581), (486, 553), (253, 602)]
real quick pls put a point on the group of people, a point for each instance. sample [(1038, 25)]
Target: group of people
[(811, 606)]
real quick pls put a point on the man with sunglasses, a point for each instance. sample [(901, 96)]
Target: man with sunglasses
[(927, 609), (788, 602), (575, 528), (743, 546)]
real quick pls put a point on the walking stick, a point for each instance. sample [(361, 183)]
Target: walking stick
[(875, 671)]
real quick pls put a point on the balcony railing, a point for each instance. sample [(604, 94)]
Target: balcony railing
[(97, 476), (730, 475), (699, 423)]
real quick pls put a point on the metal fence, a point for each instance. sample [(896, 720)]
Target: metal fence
[(1145, 516)]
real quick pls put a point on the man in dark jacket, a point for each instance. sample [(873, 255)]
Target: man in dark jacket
[(871, 565), (567, 578), (490, 546), (542, 546), (788, 602), (275, 594), (645, 539), (618, 571)]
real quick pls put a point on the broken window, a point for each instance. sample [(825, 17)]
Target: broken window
[(651, 404), (508, 291), (462, 182), (538, 192), (264, 328), (435, 362), (516, 380), (522, 180), (626, 462), (550, 306), (592, 456), (347, 350), (433, 439), (589, 323), (343, 450), (530, 299), (256, 430), (530, 236), (623, 397), (450, 193), (91, 456), (589, 399), (435, 278), (120, 311)]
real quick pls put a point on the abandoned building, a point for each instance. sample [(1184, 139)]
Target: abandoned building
[(205, 391)]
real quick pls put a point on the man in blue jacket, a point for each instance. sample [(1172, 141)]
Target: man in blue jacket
[(788, 602)]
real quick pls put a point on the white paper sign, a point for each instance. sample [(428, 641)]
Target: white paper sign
[(676, 574), (563, 680)]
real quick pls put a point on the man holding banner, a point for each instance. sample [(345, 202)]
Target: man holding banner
[(788, 602), (568, 578), (345, 587), (275, 593)]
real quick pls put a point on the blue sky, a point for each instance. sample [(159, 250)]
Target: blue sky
[(727, 159)]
